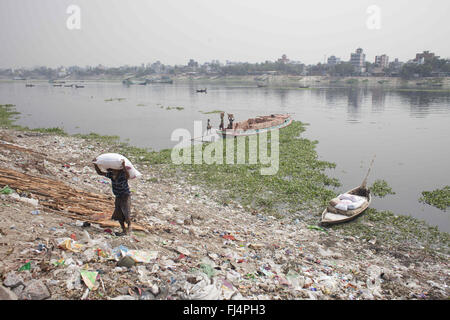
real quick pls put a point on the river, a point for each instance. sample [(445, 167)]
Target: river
[(408, 131)]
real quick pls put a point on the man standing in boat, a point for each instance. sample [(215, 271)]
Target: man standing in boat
[(208, 127), (230, 119), (221, 126)]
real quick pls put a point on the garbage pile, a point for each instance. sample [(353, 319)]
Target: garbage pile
[(193, 248)]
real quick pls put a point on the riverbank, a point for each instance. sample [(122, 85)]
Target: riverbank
[(431, 84), (221, 245)]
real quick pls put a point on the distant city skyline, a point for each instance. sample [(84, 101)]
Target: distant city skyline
[(114, 33)]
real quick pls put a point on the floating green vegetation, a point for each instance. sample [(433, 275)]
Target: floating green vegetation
[(176, 108), (298, 184), (365, 80), (439, 198), (55, 130), (114, 99), (351, 81), (396, 230), (383, 81), (8, 117), (7, 112), (98, 137), (211, 112), (141, 105), (380, 188)]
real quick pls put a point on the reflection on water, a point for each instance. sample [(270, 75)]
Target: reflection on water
[(408, 131), (378, 100)]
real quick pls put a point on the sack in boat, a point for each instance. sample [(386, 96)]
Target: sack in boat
[(114, 161), (343, 205), (334, 202), (347, 196), (356, 205)]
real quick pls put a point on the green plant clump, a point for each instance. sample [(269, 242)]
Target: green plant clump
[(211, 112), (380, 188), (439, 198)]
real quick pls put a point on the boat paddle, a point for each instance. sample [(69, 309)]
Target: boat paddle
[(364, 183)]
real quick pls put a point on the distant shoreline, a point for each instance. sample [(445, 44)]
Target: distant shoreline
[(432, 84)]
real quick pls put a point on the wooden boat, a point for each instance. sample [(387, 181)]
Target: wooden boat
[(257, 125), (201, 90), (303, 87), (29, 85), (332, 215), (79, 86)]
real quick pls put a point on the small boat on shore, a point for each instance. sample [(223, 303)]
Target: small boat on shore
[(257, 125), (303, 87), (331, 215), (201, 90), (29, 85), (79, 86)]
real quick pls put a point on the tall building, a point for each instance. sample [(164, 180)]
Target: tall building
[(382, 61), (358, 60), (333, 61), (424, 56)]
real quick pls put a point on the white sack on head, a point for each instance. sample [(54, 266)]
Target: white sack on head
[(114, 161)]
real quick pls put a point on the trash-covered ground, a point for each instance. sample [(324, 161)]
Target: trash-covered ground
[(193, 247)]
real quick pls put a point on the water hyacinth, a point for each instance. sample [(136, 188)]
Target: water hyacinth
[(380, 188), (439, 198)]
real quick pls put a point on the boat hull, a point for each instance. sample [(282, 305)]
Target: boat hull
[(250, 132)]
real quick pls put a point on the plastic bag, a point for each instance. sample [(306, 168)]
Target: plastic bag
[(89, 278), (114, 161)]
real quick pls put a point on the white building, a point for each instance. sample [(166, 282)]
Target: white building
[(382, 61), (358, 60), (333, 61)]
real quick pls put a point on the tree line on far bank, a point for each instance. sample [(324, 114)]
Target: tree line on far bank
[(407, 71)]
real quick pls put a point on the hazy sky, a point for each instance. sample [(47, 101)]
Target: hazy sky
[(118, 32)]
